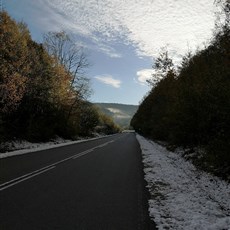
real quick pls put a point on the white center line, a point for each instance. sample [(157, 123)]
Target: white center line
[(82, 154), (22, 178)]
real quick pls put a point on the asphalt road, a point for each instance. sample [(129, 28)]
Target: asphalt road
[(92, 185)]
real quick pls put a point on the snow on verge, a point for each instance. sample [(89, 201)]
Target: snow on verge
[(25, 147), (182, 197)]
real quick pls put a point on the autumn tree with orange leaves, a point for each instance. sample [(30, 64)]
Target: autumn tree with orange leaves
[(43, 88)]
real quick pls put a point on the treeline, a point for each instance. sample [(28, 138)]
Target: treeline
[(43, 88), (191, 107)]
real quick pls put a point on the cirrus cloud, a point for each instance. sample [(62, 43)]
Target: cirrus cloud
[(145, 24)]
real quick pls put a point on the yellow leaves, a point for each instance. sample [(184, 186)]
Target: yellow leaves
[(13, 63), (61, 92), (11, 92), (13, 47), (36, 87)]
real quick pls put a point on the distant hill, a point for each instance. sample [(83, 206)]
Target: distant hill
[(121, 113)]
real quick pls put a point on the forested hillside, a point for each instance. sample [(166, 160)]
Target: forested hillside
[(43, 87), (190, 106), (120, 113)]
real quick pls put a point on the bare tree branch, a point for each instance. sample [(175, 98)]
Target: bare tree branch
[(75, 62)]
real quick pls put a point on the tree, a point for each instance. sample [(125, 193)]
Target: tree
[(106, 124), (89, 119), (192, 109), (42, 94), (62, 48), (72, 57), (14, 64), (223, 16), (155, 115), (163, 64)]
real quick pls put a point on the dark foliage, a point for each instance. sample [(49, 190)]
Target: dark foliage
[(192, 108), (42, 95)]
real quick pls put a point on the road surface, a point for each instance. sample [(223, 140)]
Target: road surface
[(92, 185)]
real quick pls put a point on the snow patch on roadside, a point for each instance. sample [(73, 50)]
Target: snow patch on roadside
[(24, 147), (182, 197)]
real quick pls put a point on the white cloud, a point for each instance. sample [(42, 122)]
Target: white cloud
[(144, 75), (145, 24), (109, 80)]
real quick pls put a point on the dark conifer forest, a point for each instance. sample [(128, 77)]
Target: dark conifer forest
[(190, 105)]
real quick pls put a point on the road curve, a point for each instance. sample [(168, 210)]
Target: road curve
[(92, 185)]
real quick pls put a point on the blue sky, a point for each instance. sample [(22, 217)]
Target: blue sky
[(121, 37)]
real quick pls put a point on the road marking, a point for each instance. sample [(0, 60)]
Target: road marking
[(27, 176), (103, 145), (90, 150), (23, 178), (82, 154)]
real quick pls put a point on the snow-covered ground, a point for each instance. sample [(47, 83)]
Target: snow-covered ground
[(182, 197), (24, 147)]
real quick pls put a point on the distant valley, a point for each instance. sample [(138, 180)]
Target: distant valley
[(121, 113)]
